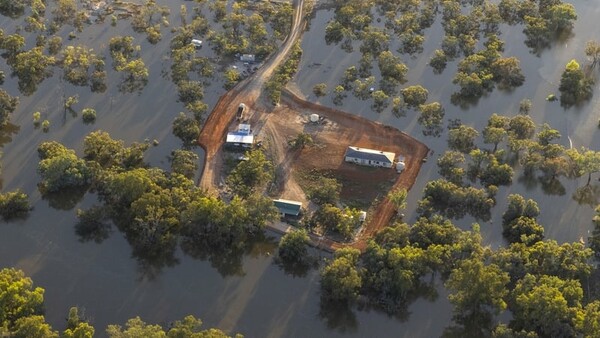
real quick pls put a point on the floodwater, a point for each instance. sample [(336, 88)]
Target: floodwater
[(248, 293), (570, 222)]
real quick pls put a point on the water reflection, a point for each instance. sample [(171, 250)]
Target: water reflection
[(65, 199), (297, 269), (338, 316), (587, 195), (6, 133), (227, 256), (96, 229)]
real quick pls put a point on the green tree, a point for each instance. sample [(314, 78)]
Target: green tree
[(547, 305), (31, 68), (184, 162), (380, 100), (560, 16), (186, 129), (462, 138), (301, 141), (438, 61), (329, 217), (134, 328), (18, 297), (415, 95), (392, 68), (340, 280), (293, 246), (325, 190), (88, 115), (76, 326), (494, 135), (507, 72), (584, 161), (12, 8), (521, 127), (62, 170), (192, 327), (232, 77), (320, 89), (190, 91), (14, 204), (249, 175), (478, 291), (339, 94), (518, 206), (449, 166), (574, 86), (591, 322), (398, 198), (8, 104), (33, 327), (592, 51), (76, 62), (431, 117)]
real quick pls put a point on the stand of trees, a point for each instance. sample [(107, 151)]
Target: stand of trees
[(22, 316), (154, 208)]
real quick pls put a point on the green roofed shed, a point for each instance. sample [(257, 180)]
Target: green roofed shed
[(287, 207)]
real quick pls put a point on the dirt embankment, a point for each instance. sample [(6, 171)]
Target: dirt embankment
[(339, 130), (212, 135), (332, 137)]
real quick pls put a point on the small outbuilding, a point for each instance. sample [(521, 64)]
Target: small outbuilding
[(288, 207), (241, 138), (248, 58), (197, 43), (369, 157)]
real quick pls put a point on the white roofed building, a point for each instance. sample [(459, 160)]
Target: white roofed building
[(369, 157)]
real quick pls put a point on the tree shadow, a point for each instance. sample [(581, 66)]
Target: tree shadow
[(128, 86), (97, 229), (296, 269), (587, 195), (224, 254), (153, 257), (552, 186), (338, 316), (6, 133), (65, 199), (477, 324)]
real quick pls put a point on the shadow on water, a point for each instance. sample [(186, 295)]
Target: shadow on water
[(550, 186), (338, 316), (227, 256), (95, 229), (587, 195), (65, 199), (153, 257), (6, 133), (297, 269), (162, 285)]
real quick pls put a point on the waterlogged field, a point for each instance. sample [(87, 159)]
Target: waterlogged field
[(247, 292)]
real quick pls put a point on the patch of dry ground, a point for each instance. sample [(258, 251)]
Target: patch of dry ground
[(338, 131), (277, 126)]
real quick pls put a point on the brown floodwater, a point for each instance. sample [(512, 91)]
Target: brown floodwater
[(249, 293)]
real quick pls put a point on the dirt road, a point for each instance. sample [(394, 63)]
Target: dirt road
[(248, 91), (350, 129), (276, 125)]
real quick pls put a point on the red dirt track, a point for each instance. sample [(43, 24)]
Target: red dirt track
[(358, 131), (277, 124)]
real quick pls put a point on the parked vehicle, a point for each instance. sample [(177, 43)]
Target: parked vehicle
[(240, 112)]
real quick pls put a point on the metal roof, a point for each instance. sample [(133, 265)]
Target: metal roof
[(370, 154), (242, 138), (288, 207)]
